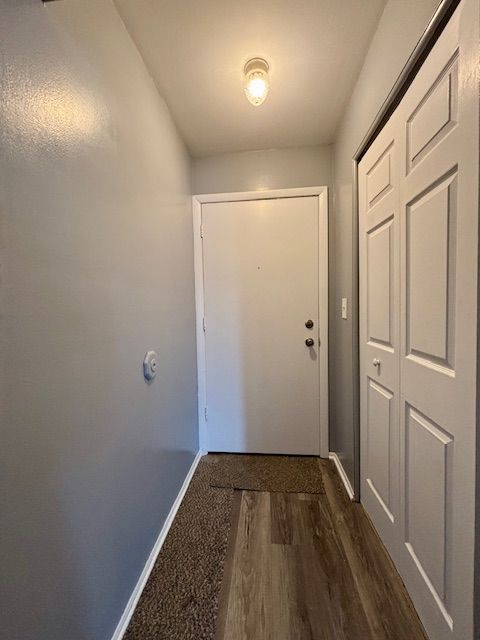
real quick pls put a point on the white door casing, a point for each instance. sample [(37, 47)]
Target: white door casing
[(435, 137), (261, 273)]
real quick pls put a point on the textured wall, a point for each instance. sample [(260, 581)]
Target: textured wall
[(269, 169), (96, 268), (399, 29)]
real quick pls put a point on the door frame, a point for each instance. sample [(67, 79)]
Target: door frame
[(321, 193), (434, 28)]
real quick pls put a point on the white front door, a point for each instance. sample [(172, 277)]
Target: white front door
[(261, 287), (419, 259)]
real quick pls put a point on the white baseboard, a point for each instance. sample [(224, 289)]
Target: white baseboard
[(137, 592), (341, 472)]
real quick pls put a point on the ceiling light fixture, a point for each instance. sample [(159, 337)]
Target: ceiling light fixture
[(256, 80)]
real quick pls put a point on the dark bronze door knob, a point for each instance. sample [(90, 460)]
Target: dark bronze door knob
[(309, 324), (309, 342)]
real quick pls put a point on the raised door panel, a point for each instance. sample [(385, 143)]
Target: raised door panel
[(428, 485), (430, 275), (379, 277), (380, 438), (435, 115), (379, 178)]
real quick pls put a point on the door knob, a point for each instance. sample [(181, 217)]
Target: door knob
[(309, 324), (376, 362), (309, 342)]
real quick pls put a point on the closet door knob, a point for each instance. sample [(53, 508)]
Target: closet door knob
[(376, 362), (309, 342)]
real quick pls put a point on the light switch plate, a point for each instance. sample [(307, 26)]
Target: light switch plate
[(344, 309)]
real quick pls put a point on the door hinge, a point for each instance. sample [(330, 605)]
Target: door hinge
[(205, 413), (204, 325), (201, 231)]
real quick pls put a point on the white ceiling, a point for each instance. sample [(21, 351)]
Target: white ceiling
[(196, 49)]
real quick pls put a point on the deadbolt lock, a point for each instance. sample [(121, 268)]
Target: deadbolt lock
[(309, 324)]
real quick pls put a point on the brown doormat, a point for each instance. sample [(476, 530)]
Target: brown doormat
[(284, 474), (180, 600)]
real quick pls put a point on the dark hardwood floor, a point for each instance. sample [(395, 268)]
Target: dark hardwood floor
[(310, 567)]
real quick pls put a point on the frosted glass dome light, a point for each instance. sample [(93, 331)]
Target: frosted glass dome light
[(256, 81)]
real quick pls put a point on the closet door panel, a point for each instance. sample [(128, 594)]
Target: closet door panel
[(379, 331), (438, 247)]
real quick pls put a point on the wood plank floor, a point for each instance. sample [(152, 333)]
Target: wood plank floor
[(310, 567)]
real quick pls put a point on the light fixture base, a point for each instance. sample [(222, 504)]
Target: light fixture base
[(256, 64)]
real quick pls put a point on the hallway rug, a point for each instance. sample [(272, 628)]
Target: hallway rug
[(181, 598), (273, 473)]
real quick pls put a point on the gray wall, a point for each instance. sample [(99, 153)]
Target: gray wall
[(399, 29), (256, 170), (96, 268)]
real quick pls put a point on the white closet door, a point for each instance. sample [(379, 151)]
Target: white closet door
[(427, 380), (379, 332), (439, 240)]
